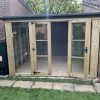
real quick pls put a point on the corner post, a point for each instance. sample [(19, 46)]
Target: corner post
[(10, 48)]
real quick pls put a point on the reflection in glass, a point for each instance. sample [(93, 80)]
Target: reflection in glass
[(41, 31), (78, 31), (42, 48), (78, 48)]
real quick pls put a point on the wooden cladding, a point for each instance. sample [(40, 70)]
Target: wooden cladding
[(94, 48), (91, 42)]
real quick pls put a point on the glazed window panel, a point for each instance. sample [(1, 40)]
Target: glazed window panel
[(77, 65), (42, 63), (42, 47), (41, 31), (78, 48), (78, 31)]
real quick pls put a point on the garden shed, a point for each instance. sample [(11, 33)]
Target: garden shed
[(53, 45)]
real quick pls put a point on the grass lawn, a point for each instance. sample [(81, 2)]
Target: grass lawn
[(74, 81), (41, 94)]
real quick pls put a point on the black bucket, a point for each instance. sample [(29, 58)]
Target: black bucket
[(4, 63)]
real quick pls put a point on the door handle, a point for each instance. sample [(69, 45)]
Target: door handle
[(86, 50), (33, 49)]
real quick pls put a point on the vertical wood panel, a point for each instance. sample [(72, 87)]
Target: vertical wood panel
[(31, 46), (87, 44), (10, 48), (34, 46), (49, 48), (69, 47), (94, 48)]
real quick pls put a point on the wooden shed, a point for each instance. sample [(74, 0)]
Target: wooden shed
[(53, 45)]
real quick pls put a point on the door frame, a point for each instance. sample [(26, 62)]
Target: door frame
[(32, 36), (87, 44), (10, 42)]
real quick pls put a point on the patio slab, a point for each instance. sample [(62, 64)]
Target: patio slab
[(84, 88), (60, 77), (44, 85), (23, 84), (7, 83), (63, 86), (97, 87)]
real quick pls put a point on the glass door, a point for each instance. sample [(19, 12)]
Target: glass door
[(42, 48), (79, 45)]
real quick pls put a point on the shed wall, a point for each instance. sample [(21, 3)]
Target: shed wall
[(90, 9)]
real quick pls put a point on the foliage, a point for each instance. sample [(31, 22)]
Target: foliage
[(54, 6)]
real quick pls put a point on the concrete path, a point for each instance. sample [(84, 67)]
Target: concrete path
[(51, 85)]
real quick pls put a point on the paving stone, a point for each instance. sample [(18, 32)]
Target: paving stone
[(23, 84), (97, 87), (7, 83), (44, 85), (42, 77), (63, 86), (51, 77), (69, 78), (84, 88), (60, 77)]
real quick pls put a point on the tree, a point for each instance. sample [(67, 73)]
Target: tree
[(54, 6)]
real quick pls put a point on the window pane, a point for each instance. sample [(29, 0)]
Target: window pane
[(42, 47), (77, 65), (78, 31), (78, 48), (42, 64), (41, 31)]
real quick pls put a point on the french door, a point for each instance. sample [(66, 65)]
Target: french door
[(79, 48), (41, 48)]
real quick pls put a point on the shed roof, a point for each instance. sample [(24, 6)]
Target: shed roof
[(49, 16)]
